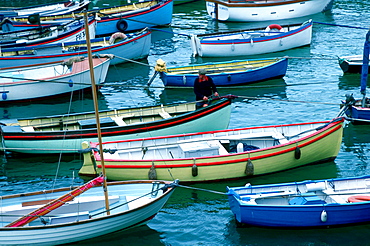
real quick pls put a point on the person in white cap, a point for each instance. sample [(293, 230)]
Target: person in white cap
[(204, 88)]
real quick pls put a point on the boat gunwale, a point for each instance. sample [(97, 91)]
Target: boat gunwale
[(236, 4), (279, 35)]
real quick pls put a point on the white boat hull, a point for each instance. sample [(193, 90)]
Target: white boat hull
[(124, 217), (237, 45), (32, 88), (237, 12)]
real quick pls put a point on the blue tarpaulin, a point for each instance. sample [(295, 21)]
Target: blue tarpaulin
[(365, 64)]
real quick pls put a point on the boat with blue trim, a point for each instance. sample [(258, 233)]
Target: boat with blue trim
[(249, 42), (312, 203)]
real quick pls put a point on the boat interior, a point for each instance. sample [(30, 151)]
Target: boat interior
[(215, 68), (32, 73), (119, 117), (212, 144), (82, 207)]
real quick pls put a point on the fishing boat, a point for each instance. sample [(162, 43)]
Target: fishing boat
[(217, 155), (230, 73), (123, 47), (123, 18), (249, 42), (358, 110), (65, 133), (351, 64), (313, 203), (48, 217), (66, 7), (66, 32), (264, 10), (29, 82)]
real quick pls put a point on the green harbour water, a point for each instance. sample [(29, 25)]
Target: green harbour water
[(312, 90)]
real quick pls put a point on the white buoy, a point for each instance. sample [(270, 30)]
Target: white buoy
[(240, 148), (324, 216)]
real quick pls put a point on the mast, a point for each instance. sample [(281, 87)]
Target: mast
[(365, 67), (96, 109)]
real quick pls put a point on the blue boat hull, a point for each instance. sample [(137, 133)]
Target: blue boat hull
[(136, 46), (276, 70), (301, 216), (357, 113), (158, 15), (125, 21), (354, 110), (321, 203)]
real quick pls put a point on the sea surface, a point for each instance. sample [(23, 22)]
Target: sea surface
[(312, 90)]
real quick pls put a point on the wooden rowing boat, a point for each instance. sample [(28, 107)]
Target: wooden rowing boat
[(122, 18), (351, 64), (313, 203), (122, 46), (230, 73), (41, 81), (217, 155), (264, 10), (133, 203), (72, 30), (249, 42), (65, 133)]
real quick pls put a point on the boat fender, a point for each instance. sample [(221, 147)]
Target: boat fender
[(194, 170), (229, 77), (4, 96), (324, 216), (184, 79), (249, 169), (274, 26), (239, 148), (118, 36), (34, 19), (160, 66), (122, 25), (152, 172), (6, 25), (193, 45), (297, 153), (358, 198)]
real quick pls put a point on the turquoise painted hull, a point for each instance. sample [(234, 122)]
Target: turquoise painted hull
[(15, 139)]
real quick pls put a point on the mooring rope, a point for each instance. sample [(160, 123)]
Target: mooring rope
[(348, 26), (286, 100), (133, 61), (200, 189), (164, 188)]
